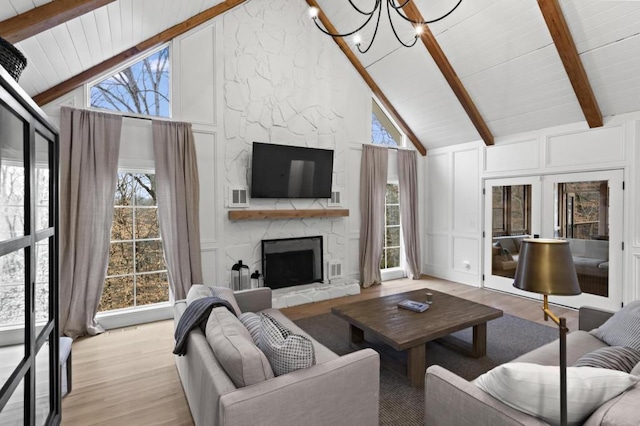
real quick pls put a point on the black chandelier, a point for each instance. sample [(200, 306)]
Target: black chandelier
[(377, 11)]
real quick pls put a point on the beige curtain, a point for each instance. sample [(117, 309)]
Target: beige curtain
[(373, 187), (408, 181), (89, 147), (178, 193)]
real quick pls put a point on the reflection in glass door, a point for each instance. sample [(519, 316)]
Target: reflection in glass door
[(584, 208), (587, 211), (511, 215)]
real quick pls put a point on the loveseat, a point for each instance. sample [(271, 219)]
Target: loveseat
[(337, 390), (452, 400)]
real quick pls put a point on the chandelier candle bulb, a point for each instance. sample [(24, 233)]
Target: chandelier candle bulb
[(313, 12)]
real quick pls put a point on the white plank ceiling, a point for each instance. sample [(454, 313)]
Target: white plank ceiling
[(500, 49)]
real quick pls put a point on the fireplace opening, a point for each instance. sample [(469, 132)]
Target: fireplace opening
[(289, 262)]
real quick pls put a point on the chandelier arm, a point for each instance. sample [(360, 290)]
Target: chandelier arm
[(395, 33), (373, 37), (315, 20), (431, 21), (375, 6)]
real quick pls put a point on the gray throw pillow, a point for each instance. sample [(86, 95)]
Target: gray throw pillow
[(618, 358), (242, 360), (623, 328), (285, 350)]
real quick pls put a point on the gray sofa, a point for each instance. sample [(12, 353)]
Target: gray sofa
[(338, 390), (452, 400)]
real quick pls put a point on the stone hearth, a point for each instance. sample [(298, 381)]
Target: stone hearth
[(315, 292)]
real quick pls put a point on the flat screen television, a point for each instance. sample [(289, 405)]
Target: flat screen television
[(282, 171)]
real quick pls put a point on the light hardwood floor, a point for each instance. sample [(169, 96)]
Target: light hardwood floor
[(128, 376)]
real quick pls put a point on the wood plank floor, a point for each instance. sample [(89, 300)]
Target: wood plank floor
[(128, 376)]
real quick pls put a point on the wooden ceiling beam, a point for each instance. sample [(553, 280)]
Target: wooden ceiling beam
[(368, 79), (45, 17), (163, 37), (566, 47), (428, 39)]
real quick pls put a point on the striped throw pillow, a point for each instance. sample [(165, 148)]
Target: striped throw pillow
[(623, 328), (286, 351), (618, 358), (252, 322)]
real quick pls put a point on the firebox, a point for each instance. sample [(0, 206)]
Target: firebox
[(289, 262)]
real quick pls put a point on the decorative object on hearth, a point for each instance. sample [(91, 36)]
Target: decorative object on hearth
[(546, 266), (240, 276), (12, 59), (376, 11), (257, 280)]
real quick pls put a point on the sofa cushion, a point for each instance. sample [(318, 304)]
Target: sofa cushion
[(241, 359), (225, 293), (622, 410), (618, 358), (533, 389), (623, 328), (286, 351), (578, 343)]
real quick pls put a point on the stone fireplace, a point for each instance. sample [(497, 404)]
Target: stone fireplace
[(294, 269), (290, 262)]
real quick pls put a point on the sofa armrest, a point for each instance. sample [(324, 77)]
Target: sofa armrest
[(254, 300), (590, 317), (343, 391), (452, 400)]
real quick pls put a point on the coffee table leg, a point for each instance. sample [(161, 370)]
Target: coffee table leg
[(355, 334), (416, 360), (479, 341)]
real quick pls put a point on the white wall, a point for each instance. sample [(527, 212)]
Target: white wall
[(454, 177), (260, 72)]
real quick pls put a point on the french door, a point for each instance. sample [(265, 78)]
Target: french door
[(584, 208)]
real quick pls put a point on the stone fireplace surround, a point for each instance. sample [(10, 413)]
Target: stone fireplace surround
[(293, 295)]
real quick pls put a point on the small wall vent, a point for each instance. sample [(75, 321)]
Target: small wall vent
[(334, 269), (336, 198), (238, 197)]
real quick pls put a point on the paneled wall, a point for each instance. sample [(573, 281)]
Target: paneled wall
[(454, 178)]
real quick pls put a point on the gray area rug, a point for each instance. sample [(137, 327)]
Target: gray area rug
[(400, 404)]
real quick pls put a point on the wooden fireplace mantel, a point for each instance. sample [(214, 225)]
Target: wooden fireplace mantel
[(286, 214)]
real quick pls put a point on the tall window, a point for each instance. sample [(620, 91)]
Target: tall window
[(137, 273), (383, 130), (142, 88), (391, 245)]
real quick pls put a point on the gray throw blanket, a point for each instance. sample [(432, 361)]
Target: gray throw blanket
[(196, 315)]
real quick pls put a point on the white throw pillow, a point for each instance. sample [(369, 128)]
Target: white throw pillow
[(197, 291), (535, 389)]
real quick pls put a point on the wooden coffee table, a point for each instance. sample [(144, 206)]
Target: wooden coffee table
[(409, 331)]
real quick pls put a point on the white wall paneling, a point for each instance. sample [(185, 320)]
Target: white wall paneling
[(465, 255), (211, 273), (437, 250), (196, 95), (438, 188), (206, 143), (466, 195), (586, 148), (512, 157)]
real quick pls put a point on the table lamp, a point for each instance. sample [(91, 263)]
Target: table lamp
[(546, 266)]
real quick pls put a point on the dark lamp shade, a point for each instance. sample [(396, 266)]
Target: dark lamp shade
[(546, 266)]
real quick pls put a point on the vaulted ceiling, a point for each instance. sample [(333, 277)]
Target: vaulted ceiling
[(496, 72)]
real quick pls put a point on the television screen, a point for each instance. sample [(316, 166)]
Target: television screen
[(281, 171)]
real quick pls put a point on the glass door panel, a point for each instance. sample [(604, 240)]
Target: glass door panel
[(587, 211), (510, 217)]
